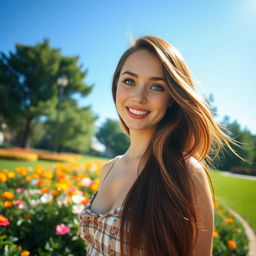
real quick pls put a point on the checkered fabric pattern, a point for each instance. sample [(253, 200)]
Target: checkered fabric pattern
[(101, 232)]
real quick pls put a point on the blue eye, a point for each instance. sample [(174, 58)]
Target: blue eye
[(128, 81), (157, 87)]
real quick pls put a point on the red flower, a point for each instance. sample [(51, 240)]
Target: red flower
[(4, 221)]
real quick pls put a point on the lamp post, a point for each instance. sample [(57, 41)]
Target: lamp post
[(62, 82)]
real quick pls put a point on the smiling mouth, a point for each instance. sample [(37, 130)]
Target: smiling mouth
[(135, 113)]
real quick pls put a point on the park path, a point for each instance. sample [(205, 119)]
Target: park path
[(242, 176)]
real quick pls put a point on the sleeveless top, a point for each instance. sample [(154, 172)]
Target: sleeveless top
[(101, 231)]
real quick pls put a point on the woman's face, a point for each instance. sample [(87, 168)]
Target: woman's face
[(142, 96)]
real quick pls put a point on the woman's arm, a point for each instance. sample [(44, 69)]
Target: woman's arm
[(204, 208)]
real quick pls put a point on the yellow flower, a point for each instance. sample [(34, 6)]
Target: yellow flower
[(11, 175), (231, 244), (47, 175), (35, 176), (94, 187), (25, 253), (3, 177), (61, 186), (215, 234), (8, 195), (216, 204)]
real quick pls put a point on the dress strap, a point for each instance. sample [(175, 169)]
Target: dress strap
[(113, 161)]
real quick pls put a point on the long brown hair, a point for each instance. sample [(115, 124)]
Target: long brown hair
[(158, 212)]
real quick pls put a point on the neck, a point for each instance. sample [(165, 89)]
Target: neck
[(139, 142)]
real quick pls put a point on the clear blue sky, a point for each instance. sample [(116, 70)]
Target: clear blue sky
[(216, 38)]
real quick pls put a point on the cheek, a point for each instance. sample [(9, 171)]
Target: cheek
[(161, 103), (121, 95)]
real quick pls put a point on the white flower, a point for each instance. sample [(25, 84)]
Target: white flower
[(46, 198), (77, 208), (86, 182), (77, 199)]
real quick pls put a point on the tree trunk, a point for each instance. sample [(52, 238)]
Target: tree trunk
[(26, 133)]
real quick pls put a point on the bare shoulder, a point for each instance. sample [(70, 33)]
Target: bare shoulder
[(197, 170), (105, 168), (203, 203), (200, 180)]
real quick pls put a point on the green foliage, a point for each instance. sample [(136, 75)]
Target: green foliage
[(228, 230), (28, 85), (112, 137), (245, 148), (76, 129)]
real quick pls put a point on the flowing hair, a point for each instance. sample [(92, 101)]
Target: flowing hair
[(159, 215)]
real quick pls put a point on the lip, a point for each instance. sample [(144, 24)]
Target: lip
[(137, 108), (137, 116)]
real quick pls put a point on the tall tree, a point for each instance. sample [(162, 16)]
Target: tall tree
[(76, 128), (28, 86), (112, 137)]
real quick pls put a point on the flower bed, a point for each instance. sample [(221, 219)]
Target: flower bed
[(40, 207), (33, 155)]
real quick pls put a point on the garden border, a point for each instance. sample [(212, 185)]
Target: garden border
[(249, 232)]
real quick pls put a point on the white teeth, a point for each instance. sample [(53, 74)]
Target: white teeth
[(137, 112)]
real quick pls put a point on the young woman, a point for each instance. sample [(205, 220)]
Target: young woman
[(155, 199)]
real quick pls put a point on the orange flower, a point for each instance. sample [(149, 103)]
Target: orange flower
[(8, 195), (44, 190), (28, 178), (7, 203), (54, 193), (229, 220), (25, 253), (3, 177), (238, 230), (215, 234), (85, 201), (231, 214), (40, 183), (4, 171), (231, 244)]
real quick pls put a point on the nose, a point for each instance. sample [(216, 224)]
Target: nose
[(139, 95)]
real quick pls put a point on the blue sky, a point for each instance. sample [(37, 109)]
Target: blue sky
[(216, 38)]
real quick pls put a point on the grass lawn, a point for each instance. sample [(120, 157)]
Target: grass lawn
[(238, 194)]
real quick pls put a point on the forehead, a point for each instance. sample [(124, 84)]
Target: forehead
[(143, 62)]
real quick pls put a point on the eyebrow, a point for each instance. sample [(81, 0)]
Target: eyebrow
[(154, 78)]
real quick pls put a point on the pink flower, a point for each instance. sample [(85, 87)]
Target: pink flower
[(4, 221), (20, 190), (17, 202), (62, 229)]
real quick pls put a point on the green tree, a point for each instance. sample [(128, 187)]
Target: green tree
[(28, 86), (76, 128), (112, 137), (246, 148)]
